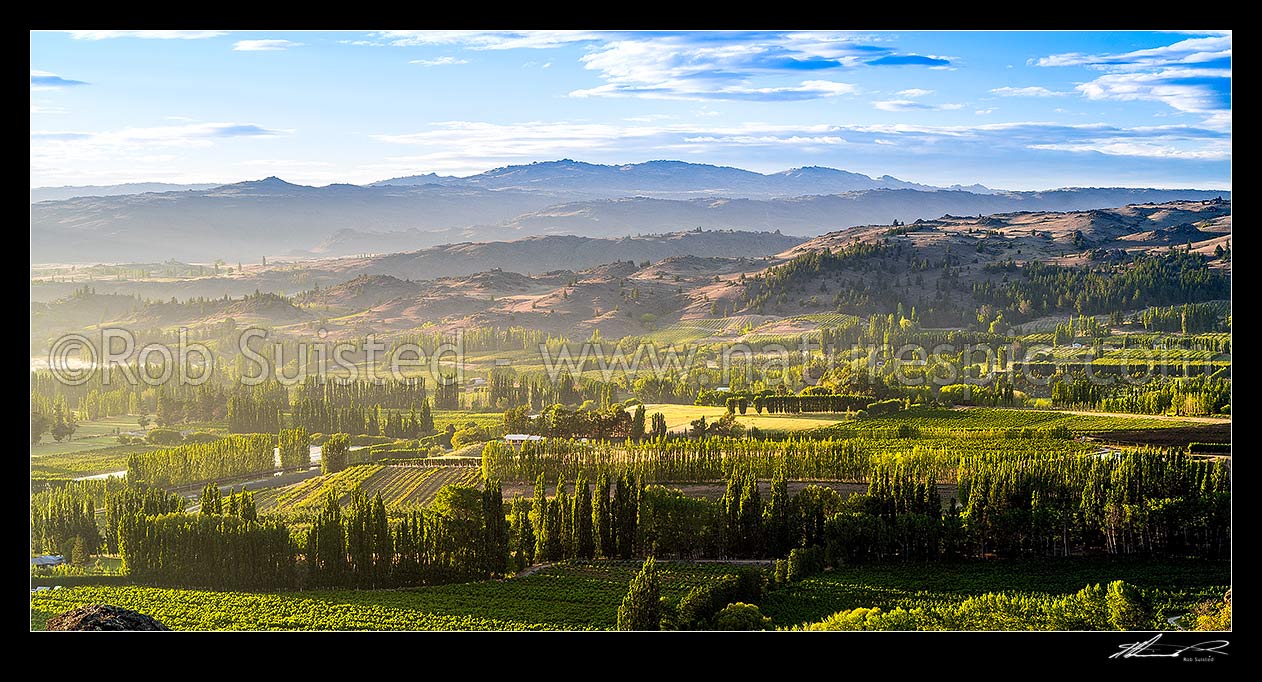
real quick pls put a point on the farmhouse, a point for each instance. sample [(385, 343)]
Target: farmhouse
[(516, 439)]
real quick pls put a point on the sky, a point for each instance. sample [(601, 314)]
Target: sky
[(1011, 110)]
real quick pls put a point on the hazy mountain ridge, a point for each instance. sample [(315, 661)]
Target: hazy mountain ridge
[(619, 294), (666, 179), (270, 217), (558, 252), (363, 278), (72, 191)]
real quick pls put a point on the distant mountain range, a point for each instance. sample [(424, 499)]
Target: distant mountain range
[(665, 179), (271, 217), (72, 191)]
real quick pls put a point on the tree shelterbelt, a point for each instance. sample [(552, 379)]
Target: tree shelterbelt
[(1147, 502), (295, 448), (222, 459), (1137, 502), (464, 535)]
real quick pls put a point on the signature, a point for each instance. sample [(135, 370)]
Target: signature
[(1153, 649)]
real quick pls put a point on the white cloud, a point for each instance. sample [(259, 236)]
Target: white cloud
[(735, 65), (913, 93), (41, 109), (1188, 90), (649, 118), (470, 146), (43, 81), (684, 67), (1190, 51), (1190, 76), (983, 112), (70, 146), (148, 35), (746, 140), (1219, 120), (131, 154), (909, 105), (695, 91), (440, 61), (1030, 91), (1145, 150), (480, 40), (270, 45)]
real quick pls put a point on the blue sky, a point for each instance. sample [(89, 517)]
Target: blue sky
[(1015, 110)]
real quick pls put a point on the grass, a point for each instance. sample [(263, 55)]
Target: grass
[(585, 595), (401, 487), (91, 435), (571, 596), (678, 417), (1001, 418), (94, 448), (85, 463), (1174, 585), (459, 418)]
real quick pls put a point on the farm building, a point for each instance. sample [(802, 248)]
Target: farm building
[(516, 439)]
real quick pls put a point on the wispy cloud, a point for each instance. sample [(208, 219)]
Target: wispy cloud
[(1140, 149), (1188, 90), (909, 60), (440, 61), (909, 105), (1029, 91), (813, 89), (914, 92), (471, 146), (481, 40), (70, 146), (147, 35), (132, 153), (268, 45), (1191, 76), (718, 65), (45, 80), (728, 66), (1208, 50)]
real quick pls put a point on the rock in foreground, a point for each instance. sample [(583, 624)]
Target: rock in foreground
[(103, 617)]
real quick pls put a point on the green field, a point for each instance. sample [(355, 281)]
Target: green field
[(400, 487), (585, 595), (574, 596), (1000, 418), (459, 418), (679, 416), (1174, 585), (85, 462), (90, 435)]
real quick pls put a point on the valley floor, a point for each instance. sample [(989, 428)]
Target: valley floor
[(585, 595)]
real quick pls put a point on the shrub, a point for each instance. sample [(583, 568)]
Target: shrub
[(162, 436), (362, 440), (741, 616), (468, 436)]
